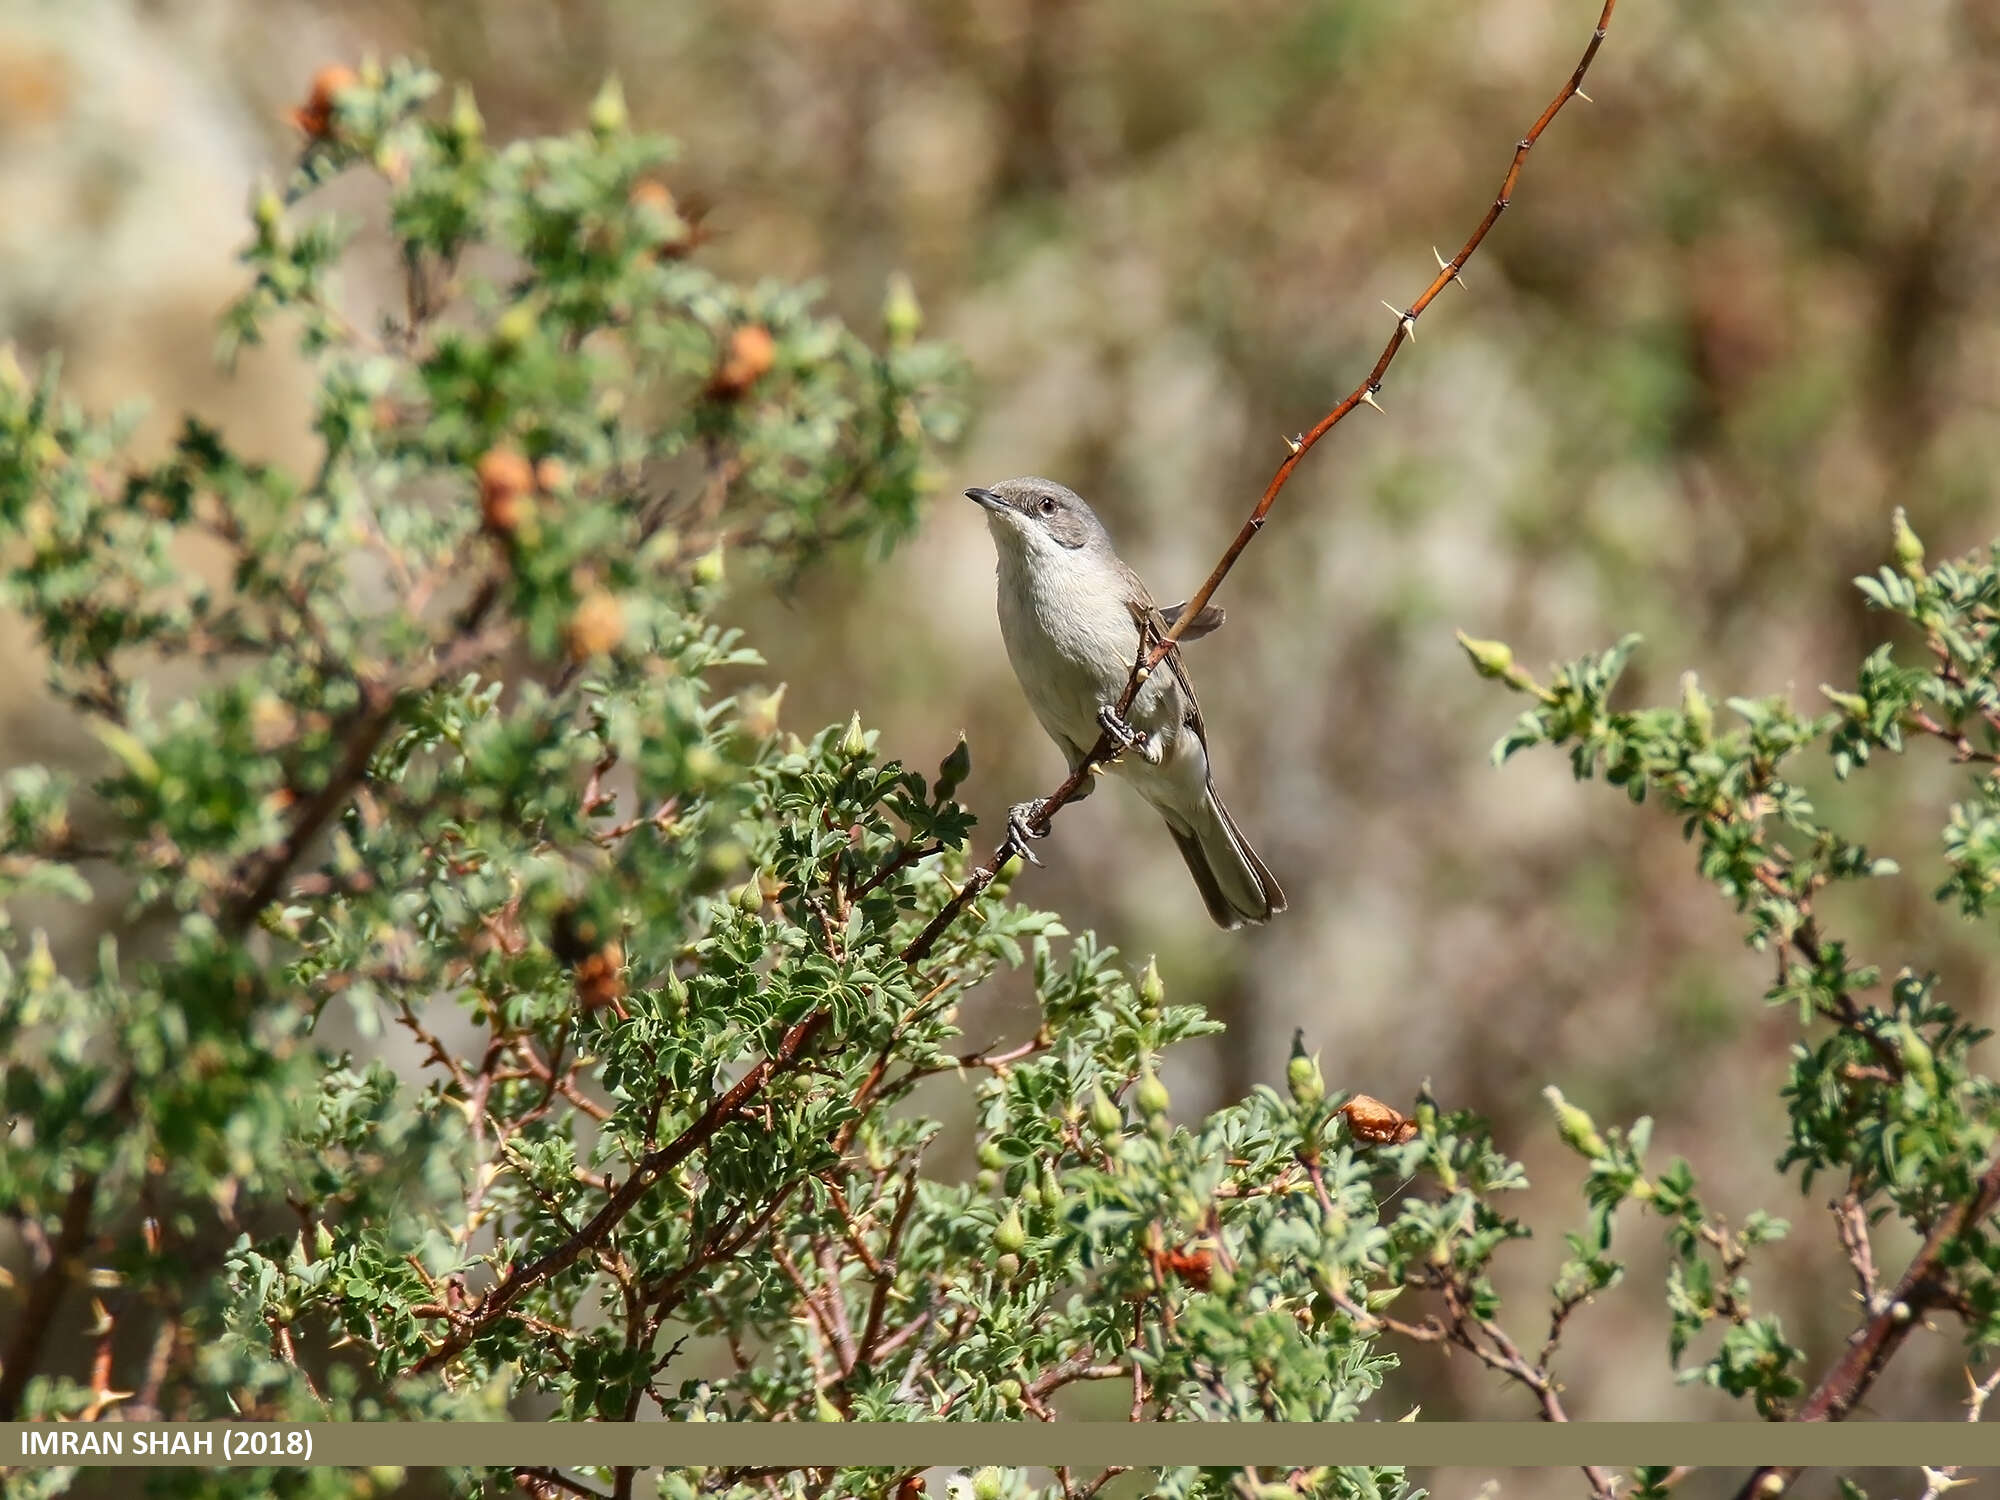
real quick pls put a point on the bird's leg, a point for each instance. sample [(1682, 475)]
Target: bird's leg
[(1129, 738), (1021, 820)]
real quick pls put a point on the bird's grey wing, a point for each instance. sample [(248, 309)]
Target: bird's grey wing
[(1206, 623), (1137, 597), (1153, 626)]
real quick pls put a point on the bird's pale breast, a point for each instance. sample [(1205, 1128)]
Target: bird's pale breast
[(1072, 644)]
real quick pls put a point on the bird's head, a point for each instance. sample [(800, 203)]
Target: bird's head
[(1030, 516)]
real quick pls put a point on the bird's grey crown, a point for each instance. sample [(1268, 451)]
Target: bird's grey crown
[(1032, 501)]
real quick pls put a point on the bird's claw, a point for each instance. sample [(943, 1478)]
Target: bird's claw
[(1126, 736), (1021, 820)]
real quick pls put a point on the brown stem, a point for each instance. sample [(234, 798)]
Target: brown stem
[(1139, 1370), (1083, 1366), (45, 1294), (1850, 1220), (559, 1083), (1924, 1284), (817, 1304), (364, 732), (554, 1482), (1505, 1356), (145, 1406), (885, 1270), (651, 1167), (983, 875), (1447, 273)]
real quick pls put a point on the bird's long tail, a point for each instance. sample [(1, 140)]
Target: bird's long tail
[(1235, 885)]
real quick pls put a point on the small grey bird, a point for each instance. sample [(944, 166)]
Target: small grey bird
[(1073, 616)]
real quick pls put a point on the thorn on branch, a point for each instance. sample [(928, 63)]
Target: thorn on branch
[(1368, 396), (1445, 265), (1407, 318)]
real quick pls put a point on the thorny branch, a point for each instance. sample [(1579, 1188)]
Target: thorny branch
[(45, 1293), (545, 1484), (1479, 1336), (1850, 1221), (650, 1168), (1926, 1284), (1938, 1480), (1363, 394)]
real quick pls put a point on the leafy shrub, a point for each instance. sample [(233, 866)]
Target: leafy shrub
[(470, 761)]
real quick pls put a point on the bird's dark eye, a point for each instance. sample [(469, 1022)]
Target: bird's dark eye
[(1048, 505)]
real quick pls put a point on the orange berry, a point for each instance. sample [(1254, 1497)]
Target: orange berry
[(751, 353), (505, 478), (654, 195), (662, 229), (1195, 1265), (315, 116), (600, 978), (597, 626)]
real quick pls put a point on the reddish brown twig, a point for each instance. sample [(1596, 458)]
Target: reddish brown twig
[(45, 1294), (1364, 393), (1941, 1480), (1850, 1221), (381, 708), (1926, 1284), (551, 1482), (650, 1168)]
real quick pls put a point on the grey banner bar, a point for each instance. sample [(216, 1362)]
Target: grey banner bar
[(1080, 1444)]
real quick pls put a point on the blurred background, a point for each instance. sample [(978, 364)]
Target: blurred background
[(1741, 307)]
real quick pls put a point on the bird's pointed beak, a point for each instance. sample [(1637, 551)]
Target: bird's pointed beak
[(986, 498)]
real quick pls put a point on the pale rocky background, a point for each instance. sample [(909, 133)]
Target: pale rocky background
[(1741, 307)]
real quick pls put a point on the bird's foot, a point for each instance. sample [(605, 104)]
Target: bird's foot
[(1127, 737), (1022, 819)]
